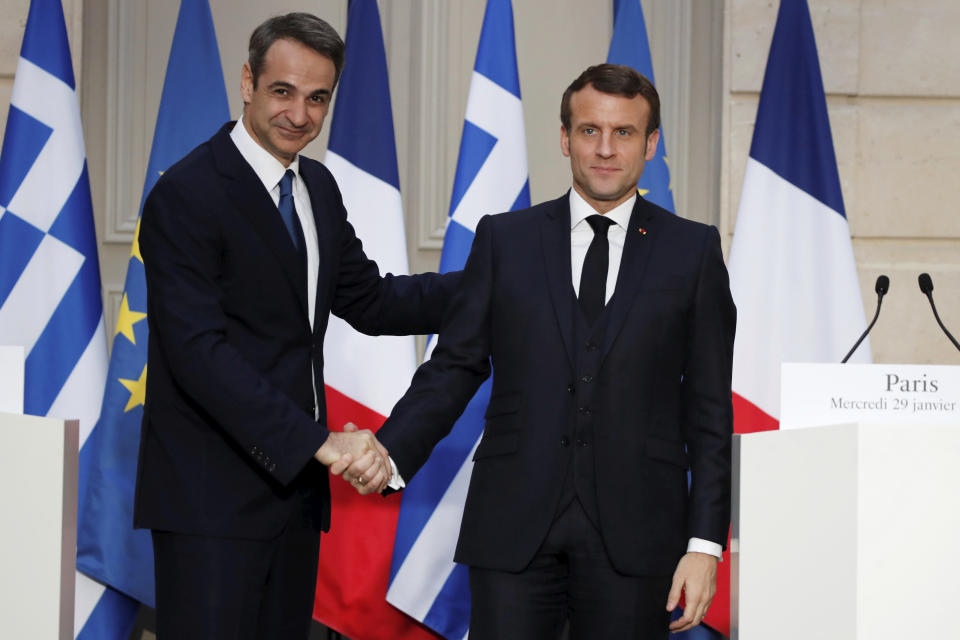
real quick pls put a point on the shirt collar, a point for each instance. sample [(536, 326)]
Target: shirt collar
[(580, 209), (267, 168)]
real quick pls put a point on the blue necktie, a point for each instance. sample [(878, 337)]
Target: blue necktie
[(289, 214)]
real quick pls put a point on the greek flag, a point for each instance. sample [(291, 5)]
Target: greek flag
[(491, 177), (193, 106), (49, 276)]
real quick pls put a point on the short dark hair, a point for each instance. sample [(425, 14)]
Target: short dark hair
[(305, 28), (615, 79)]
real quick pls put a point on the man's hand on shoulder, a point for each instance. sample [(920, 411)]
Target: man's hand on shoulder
[(696, 579)]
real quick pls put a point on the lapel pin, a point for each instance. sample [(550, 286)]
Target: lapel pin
[(642, 231)]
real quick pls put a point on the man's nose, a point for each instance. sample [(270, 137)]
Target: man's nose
[(605, 146), (297, 114)]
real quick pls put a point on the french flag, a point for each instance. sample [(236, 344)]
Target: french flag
[(792, 270), (364, 375)]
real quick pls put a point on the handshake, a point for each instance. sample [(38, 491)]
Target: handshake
[(356, 454)]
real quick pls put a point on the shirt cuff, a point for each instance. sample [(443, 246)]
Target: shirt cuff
[(396, 482), (700, 545)]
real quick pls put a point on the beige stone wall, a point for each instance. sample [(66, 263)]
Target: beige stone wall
[(891, 71)]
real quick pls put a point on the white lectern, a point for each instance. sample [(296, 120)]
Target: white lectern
[(38, 538), (844, 531)]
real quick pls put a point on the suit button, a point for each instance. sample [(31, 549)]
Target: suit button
[(581, 443), (571, 388), (591, 346), (564, 441), (586, 379), (584, 410), (271, 466)]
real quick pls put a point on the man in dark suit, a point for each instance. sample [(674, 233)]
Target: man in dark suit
[(610, 325), (247, 249)]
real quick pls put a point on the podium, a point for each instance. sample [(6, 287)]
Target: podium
[(844, 531), (38, 484)]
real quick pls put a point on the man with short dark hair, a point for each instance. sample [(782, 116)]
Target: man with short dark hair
[(609, 324), (247, 250)]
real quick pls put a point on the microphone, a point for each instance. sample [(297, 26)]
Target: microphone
[(926, 286), (882, 286)]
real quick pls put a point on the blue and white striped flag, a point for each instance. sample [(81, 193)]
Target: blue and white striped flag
[(491, 177), (49, 275)]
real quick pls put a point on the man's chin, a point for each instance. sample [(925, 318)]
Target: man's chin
[(289, 149), (610, 196)]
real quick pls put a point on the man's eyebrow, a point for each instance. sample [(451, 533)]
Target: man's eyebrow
[(593, 125), (283, 84)]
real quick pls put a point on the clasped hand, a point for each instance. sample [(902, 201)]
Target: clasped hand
[(359, 456)]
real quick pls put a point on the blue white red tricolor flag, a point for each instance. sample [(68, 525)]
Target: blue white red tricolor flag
[(491, 177), (193, 106), (364, 375), (792, 270), (49, 274)]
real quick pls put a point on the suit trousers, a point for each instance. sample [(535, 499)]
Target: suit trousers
[(231, 589), (569, 578)]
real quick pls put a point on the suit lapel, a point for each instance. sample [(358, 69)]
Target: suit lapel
[(555, 243), (254, 203), (641, 234)]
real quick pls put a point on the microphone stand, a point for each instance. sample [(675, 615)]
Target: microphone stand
[(882, 286), (926, 286)]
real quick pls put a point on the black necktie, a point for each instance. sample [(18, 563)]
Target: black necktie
[(289, 214), (593, 278)]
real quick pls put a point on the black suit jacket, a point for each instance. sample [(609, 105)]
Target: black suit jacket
[(228, 429), (661, 400)]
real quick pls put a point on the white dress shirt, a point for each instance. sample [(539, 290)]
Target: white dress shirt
[(270, 171), (581, 234)]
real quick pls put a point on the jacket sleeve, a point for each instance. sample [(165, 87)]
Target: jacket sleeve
[(388, 305), (444, 384), (707, 401)]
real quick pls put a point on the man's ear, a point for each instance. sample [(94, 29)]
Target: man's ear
[(246, 82), (564, 141), (652, 141)]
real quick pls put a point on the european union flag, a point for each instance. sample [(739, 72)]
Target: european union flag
[(192, 107), (629, 46)]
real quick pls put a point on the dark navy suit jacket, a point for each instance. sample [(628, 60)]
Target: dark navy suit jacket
[(228, 429), (661, 400)]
